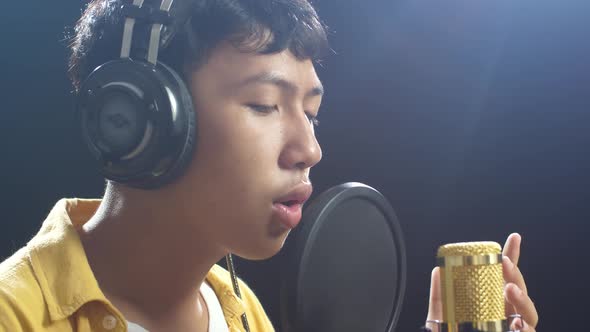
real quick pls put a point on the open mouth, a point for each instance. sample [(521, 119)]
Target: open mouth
[(295, 198)]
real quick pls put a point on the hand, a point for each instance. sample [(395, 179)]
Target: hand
[(515, 291)]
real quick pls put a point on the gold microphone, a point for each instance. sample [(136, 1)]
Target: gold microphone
[(472, 287)]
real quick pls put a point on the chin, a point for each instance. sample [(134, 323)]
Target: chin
[(265, 249)]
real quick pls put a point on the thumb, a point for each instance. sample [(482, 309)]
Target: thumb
[(435, 311)]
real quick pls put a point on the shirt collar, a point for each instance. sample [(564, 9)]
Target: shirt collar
[(233, 307), (60, 265), (59, 261)]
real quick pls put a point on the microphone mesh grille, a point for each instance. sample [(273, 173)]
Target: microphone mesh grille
[(477, 291)]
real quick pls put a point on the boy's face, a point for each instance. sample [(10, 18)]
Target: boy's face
[(248, 157)]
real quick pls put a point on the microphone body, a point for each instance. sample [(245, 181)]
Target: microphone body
[(472, 287)]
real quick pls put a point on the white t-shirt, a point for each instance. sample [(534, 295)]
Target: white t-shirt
[(216, 319)]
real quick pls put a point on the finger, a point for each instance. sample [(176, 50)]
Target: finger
[(512, 247), (522, 303), (520, 325), (435, 311), (527, 327), (512, 274), (517, 323)]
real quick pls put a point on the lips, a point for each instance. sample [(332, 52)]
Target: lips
[(288, 208), (298, 195)]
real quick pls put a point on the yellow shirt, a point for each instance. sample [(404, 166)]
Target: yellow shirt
[(48, 285)]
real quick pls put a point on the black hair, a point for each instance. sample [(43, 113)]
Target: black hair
[(263, 26)]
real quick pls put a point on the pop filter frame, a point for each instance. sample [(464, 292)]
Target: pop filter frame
[(345, 268)]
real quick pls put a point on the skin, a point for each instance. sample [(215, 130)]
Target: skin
[(515, 290), (151, 250)]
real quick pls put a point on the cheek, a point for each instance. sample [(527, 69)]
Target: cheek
[(236, 160), (232, 138)]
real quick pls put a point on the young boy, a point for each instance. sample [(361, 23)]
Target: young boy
[(144, 259)]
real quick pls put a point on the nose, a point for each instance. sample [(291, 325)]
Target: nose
[(302, 149)]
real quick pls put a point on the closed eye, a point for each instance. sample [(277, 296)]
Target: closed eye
[(263, 108), (266, 109), (313, 119)]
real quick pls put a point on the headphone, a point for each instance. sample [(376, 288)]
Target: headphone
[(136, 113)]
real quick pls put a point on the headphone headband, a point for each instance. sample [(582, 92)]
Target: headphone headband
[(156, 18), (146, 13)]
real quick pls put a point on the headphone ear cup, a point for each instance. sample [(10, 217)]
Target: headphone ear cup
[(138, 121), (186, 106)]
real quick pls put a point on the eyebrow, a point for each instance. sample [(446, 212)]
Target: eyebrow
[(279, 80)]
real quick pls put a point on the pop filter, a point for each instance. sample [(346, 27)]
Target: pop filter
[(345, 268)]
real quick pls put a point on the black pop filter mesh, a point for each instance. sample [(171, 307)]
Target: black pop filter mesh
[(346, 265)]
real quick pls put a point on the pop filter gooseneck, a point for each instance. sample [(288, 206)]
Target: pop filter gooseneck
[(346, 265)]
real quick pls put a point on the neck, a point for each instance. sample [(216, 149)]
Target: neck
[(144, 258)]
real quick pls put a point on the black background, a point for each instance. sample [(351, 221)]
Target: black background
[(469, 116)]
